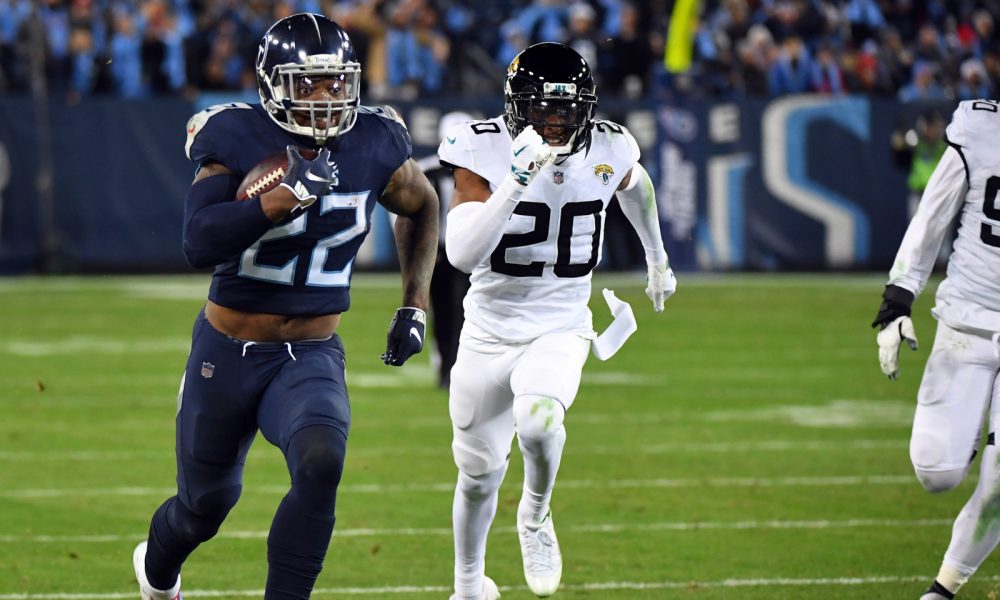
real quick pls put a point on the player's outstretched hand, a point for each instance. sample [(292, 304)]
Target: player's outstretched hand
[(308, 179), (406, 336), (660, 284), (890, 339), (528, 154)]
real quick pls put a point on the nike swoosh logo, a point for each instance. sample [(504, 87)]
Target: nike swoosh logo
[(451, 140), (312, 177), (416, 334), (520, 151)]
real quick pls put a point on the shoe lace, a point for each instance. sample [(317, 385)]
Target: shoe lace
[(538, 546)]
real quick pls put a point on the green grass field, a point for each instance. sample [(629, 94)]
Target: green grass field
[(743, 444)]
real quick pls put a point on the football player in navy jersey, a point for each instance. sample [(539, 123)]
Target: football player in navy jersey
[(265, 355)]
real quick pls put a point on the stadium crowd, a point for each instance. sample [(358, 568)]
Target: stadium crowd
[(908, 49)]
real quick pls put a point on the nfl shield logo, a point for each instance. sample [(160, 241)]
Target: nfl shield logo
[(557, 177), (207, 370)]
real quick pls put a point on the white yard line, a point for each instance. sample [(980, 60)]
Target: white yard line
[(265, 455), (589, 586), (602, 484), (592, 528)]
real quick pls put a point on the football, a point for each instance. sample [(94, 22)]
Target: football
[(268, 173)]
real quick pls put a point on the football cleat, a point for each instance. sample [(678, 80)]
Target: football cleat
[(146, 591), (490, 590), (542, 559), (937, 592)]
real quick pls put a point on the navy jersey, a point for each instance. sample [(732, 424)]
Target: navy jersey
[(303, 266)]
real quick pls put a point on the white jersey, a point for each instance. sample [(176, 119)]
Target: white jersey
[(966, 180), (537, 280)]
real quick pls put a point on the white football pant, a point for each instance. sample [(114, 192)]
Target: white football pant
[(959, 388)]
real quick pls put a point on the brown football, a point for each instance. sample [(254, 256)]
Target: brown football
[(268, 173)]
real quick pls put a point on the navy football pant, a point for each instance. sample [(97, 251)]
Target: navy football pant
[(295, 395)]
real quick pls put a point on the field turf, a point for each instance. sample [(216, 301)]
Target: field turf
[(743, 444)]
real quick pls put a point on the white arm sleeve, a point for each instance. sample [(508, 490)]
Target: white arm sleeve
[(941, 201), (638, 202), (474, 228)]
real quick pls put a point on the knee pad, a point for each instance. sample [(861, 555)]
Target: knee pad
[(315, 459), (537, 417), (201, 520), (476, 487), (474, 456), (940, 481)]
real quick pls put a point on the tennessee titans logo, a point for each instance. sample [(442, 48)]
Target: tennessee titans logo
[(605, 172), (334, 175), (207, 370)]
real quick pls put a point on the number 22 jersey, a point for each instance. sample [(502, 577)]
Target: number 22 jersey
[(538, 278)]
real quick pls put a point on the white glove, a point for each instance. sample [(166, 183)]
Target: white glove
[(528, 154), (660, 284), (890, 339)]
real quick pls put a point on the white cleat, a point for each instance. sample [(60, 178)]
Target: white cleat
[(542, 559), (146, 591), (490, 590)]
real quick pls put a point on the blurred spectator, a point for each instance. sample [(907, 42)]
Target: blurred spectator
[(824, 73), (583, 36), (627, 59), (755, 54), (790, 73), (975, 81), (924, 85), (544, 21), (865, 18), (417, 50)]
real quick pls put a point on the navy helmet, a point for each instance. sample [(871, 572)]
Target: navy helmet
[(550, 87), (293, 53)]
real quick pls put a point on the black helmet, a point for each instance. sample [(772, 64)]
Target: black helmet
[(547, 80), (295, 49)]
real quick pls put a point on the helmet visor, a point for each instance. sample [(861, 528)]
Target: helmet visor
[(556, 120)]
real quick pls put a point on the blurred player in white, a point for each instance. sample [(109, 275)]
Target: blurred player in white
[(526, 220), (960, 387)]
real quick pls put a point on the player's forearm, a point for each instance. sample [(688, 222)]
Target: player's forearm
[(475, 228), (417, 242), (638, 203), (217, 228), (941, 201)]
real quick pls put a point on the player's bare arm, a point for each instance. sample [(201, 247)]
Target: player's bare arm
[(411, 196), (469, 187)]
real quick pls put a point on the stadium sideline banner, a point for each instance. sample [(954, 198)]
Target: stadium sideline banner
[(799, 182)]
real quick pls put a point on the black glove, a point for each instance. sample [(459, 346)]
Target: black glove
[(308, 179), (406, 336), (896, 302)]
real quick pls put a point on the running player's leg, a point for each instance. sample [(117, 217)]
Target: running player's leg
[(959, 383), (216, 423), (483, 428), (306, 413)]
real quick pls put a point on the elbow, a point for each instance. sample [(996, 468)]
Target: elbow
[(463, 263), (199, 256)]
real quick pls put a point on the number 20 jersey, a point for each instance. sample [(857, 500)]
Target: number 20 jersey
[(538, 279)]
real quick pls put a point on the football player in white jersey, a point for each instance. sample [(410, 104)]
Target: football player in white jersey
[(526, 220), (961, 382)]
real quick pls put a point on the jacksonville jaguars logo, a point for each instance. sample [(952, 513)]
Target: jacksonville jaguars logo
[(605, 172), (512, 69)]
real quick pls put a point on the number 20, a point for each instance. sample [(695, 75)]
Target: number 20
[(542, 214)]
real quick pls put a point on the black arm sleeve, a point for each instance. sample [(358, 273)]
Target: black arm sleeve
[(217, 228)]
